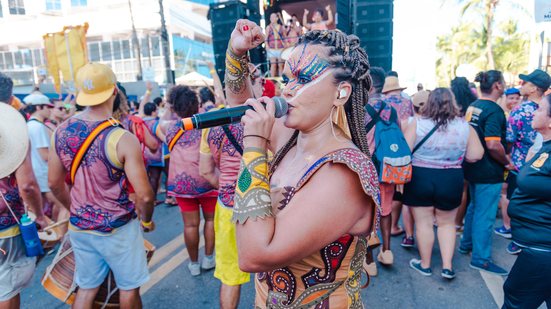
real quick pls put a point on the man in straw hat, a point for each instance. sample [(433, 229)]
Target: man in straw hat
[(17, 185), (101, 160)]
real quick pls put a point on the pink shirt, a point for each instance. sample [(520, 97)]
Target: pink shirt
[(99, 196), (226, 158), (184, 179)]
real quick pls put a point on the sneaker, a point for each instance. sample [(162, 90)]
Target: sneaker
[(408, 242), (386, 257), (416, 264), (490, 268), (208, 262), (503, 232), (370, 269), (194, 268), (512, 248), (448, 273), (464, 250)]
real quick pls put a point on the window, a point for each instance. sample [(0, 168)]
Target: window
[(1, 61), (117, 50), (155, 46), (53, 5), (16, 7), (93, 51), (76, 3), (144, 46), (126, 51), (1, 12), (27, 58), (106, 53), (8, 58), (18, 59)]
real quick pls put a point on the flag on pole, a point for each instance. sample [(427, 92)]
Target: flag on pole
[(66, 52)]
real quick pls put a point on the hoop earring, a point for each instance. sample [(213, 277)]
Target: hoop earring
[(333, 125)]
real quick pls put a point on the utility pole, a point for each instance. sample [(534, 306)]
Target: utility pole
[(165, 45), (136, 43)]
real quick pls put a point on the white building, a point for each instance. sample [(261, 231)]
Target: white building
[(24, 22)]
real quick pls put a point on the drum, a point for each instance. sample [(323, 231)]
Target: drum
[(51, 236), (286, 53), (58, 279)]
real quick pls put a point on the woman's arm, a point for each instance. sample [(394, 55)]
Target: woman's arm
[(410, 133), (329, 16), (475, 150), (305, 20)]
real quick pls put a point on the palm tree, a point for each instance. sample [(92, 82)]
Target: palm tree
[(489, 8)]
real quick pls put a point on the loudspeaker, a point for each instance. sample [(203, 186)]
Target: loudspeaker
[(371, 21), (223, 17)]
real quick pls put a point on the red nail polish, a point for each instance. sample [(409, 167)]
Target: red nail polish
[(245, 28)]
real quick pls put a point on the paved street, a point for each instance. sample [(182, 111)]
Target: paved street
[(171, 285)]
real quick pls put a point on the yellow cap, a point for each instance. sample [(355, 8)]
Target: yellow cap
[(95, 83)]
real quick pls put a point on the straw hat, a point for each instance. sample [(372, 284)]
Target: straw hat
[(391, 84), (14, 140)]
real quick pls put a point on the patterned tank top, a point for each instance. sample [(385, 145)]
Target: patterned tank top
[(445, 148), (10, 191), (99, 196), (184, 179), (329, 278), (153, 158), (227, 159)]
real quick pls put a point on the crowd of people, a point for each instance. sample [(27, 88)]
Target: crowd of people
[(303, 200)]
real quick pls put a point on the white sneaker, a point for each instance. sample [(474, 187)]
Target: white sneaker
[(194, 268), (208, 262)]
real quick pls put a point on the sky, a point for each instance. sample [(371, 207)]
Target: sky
[(417, 23)]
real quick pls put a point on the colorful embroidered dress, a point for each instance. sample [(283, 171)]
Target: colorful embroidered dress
[(226, 158), (154, 158), (329, 278), (184, 179), (99, 196), (8, 187), (520, 132)]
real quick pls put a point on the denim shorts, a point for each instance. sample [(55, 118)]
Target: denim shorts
[(16, 269), (122, 251)]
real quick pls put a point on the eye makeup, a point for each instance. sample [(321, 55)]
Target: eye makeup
[(306, 69)]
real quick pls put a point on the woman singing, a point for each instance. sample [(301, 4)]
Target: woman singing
[(302, 222)]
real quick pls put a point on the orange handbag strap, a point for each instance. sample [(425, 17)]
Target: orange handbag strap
[(175, 139), (77, 160)]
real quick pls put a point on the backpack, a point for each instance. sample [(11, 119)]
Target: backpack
[(392, 156)]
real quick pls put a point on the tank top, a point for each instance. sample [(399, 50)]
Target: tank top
[(329, 278), (227, 159), (99, 196), (8, 187), (275, 37), (153, 158), (184, 179), (445, 148)]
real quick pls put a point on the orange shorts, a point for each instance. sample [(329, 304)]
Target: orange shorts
[(387, 195), (192, 204)]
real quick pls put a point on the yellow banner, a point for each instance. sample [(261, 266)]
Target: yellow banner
[(66, 51)]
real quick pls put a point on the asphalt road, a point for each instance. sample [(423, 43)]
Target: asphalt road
[(398, 286)]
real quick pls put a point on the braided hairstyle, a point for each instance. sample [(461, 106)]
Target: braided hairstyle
[(352, 64)]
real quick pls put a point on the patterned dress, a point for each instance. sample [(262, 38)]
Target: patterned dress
[(520, 132), (331, 277), (99, 196), (184, 180), (227, 159), (8, 187)]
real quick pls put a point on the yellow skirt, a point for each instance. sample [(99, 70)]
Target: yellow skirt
[(227, 266)]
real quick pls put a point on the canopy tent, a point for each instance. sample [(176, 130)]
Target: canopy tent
[(194, 79)]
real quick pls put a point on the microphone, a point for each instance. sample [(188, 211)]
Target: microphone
[(229, 115)]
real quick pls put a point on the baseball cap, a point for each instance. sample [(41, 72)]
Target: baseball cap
[(95, 83), (37, 98), (512, 91), (420, 98), (538, 78)]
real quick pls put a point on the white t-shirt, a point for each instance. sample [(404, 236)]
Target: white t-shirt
[(38, 134)]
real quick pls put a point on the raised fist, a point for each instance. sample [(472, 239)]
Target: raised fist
[(246, 35), (306, 12), (328, 8)]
